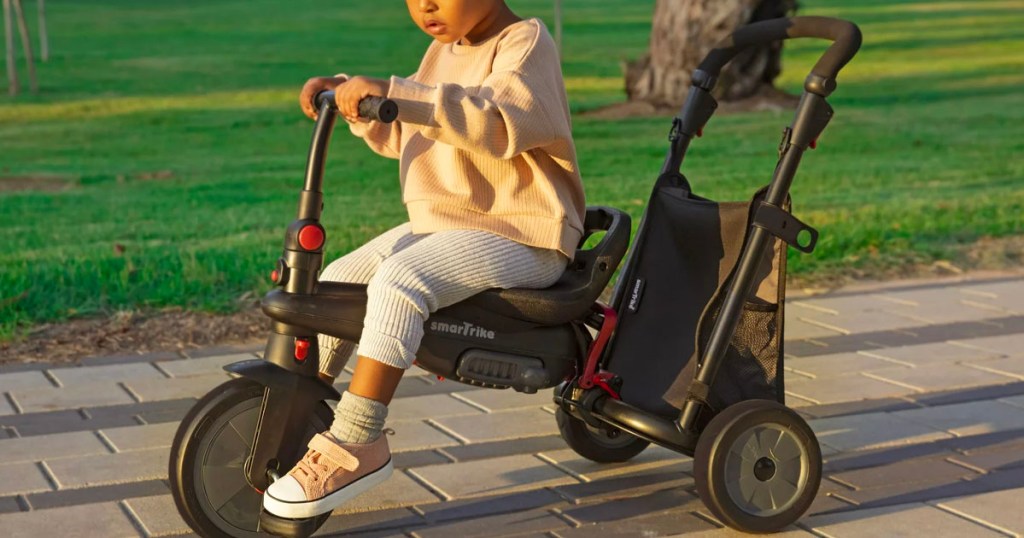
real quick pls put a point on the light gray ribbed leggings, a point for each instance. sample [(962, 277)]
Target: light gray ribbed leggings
[(410, 276)]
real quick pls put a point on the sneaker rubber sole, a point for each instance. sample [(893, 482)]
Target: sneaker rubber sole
[(304, 509)]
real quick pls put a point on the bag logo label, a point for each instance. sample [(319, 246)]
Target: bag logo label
[(634, 298), (465, 329)]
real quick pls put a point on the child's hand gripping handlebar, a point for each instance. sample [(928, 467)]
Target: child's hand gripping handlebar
[(371, 107)]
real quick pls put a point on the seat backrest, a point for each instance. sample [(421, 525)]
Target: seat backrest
[(593, 268)]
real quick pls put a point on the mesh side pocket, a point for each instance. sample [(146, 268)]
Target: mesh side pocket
[(752, 365), (750, 369)]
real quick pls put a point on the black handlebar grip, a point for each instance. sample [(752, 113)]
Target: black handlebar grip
[(378, 108), (845, 35), (371, 107)]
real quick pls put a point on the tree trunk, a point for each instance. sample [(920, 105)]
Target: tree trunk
[(12, 69), (44, 40), (26, 44), (684, 31)]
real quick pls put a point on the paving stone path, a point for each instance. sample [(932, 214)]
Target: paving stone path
[(916, 392)]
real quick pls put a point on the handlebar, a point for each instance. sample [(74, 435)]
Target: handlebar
[(371, 107), (845, 35)]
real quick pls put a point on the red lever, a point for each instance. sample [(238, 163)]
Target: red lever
[(814, 143), (301, 349), (700, 132)]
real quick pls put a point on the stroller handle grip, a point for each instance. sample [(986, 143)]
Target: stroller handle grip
[(845, 36), (371, 107)]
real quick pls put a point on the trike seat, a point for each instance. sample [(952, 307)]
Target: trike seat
[(579, 286)]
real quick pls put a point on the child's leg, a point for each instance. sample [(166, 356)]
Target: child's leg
[(441, 269), (358, 267)]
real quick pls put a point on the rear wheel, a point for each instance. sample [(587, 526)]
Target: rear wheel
[(757, 466), (207, 464), (602, 445)]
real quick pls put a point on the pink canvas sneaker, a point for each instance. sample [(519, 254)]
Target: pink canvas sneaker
[(328, 475)]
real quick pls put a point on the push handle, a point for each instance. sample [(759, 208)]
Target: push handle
[(371, 107), (845, 36)]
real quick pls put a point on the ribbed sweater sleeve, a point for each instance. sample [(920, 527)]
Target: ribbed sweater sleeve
[(384, 139), (507, 114)]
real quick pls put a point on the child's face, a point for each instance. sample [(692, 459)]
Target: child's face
[(450, 20)]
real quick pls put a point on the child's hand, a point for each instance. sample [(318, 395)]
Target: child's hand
[(350, 93), (314, 86)]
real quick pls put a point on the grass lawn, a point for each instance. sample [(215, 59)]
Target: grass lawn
[(169, 148)]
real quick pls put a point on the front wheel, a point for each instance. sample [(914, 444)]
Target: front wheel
[(757, 466), (207, 464)]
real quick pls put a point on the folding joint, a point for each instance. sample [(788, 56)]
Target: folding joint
[(785, 226)]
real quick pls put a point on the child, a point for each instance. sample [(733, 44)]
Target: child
[(489, 178)]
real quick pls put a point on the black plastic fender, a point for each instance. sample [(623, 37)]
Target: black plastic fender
[(271, 375)]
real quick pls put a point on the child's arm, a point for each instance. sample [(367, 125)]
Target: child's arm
[(383, 138), (499, 123), (516, 108)]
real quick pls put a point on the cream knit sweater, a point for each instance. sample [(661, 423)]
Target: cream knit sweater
[(484, 140)]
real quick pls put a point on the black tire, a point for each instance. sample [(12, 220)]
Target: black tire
[(207, 476), (738, 475), (598, 445)]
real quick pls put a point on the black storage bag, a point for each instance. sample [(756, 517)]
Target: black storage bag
[(673, 283)]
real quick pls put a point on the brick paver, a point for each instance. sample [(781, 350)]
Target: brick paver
[(58, 445), (74, 397), (512, 424), (21, 478), (915, 391), (899, 520), (417, 435), (140, 437), (491, 476), (999, 509), (971, 418), (157, 515), (72, 377), (100, 519), (872, 430), (654, 460), (935, 355), (149, 390), (134, 466)]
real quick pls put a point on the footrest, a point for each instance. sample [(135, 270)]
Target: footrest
[(785, 226)]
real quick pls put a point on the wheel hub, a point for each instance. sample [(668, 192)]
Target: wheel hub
[(766, 470)]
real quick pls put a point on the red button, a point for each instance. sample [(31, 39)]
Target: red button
[(273, 275), (301, 349), (814, 143), (311, 237)]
